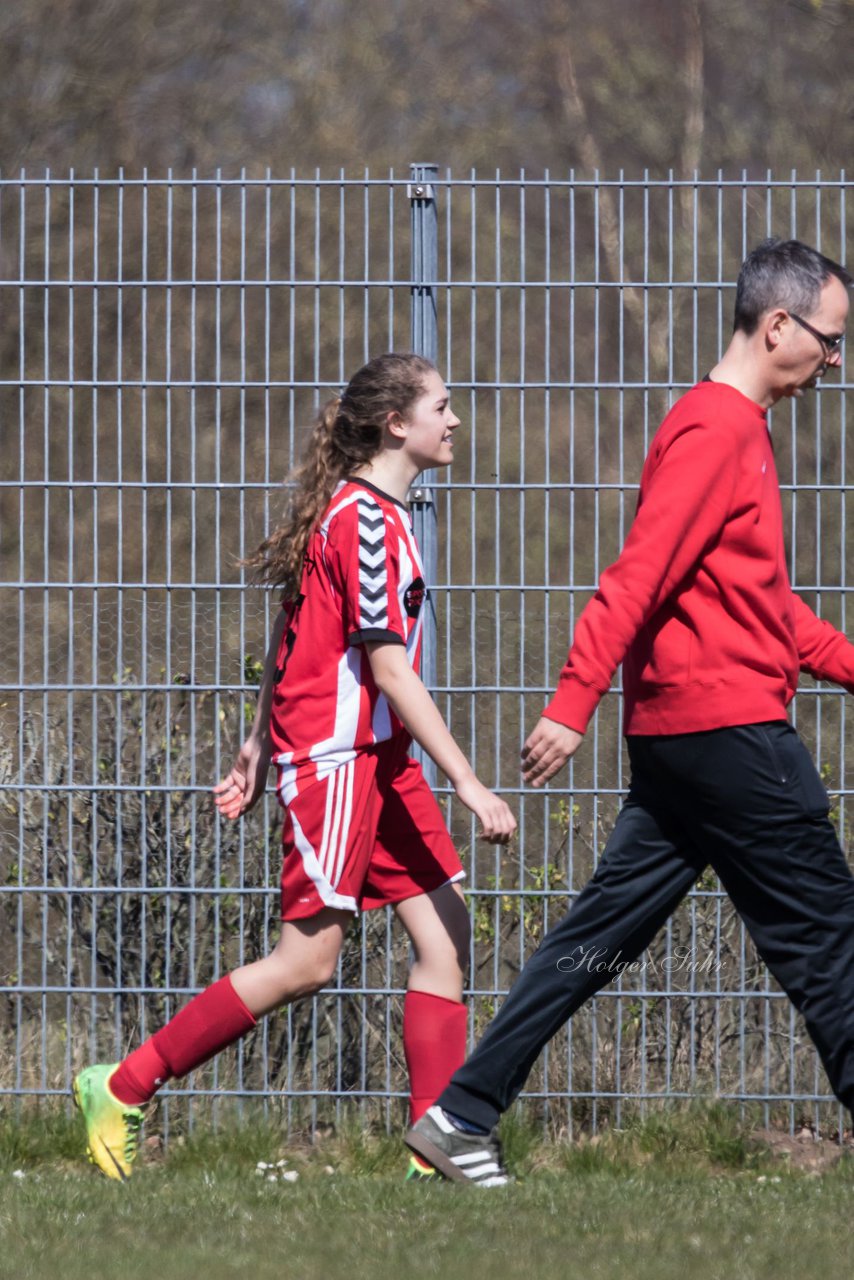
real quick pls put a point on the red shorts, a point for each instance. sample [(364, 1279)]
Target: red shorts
[(368, 834)]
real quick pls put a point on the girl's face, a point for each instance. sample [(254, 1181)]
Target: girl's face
[(429, 426)]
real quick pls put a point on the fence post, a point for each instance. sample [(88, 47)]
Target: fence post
[(424, 225)]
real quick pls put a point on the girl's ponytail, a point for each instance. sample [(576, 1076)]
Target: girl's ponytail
[(278, 560), (348, 432)]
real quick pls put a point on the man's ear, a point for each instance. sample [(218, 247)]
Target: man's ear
[(395, 425), (775, 326)]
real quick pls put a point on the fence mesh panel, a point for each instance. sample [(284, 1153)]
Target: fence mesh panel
[(165, 343)]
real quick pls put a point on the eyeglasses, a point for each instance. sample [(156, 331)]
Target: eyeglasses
[(830, 345)]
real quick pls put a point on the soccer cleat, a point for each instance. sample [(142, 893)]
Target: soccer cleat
[(419, 1171), (462, 1157), (112, 1127)]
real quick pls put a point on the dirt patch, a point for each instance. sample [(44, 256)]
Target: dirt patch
[(805, 1150)]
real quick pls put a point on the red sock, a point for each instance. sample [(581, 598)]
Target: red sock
[(212, 1020), (138, 1078), (434, 1044)]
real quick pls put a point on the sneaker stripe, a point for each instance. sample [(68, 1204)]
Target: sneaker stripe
[(472, 1157), (478, 1173), (119, 1170), (438, 1117)]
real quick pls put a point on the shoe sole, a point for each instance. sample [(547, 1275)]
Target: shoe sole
[(434, 1155), (122, 1176)]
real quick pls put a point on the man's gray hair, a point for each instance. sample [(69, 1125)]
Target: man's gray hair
[(782, 273)]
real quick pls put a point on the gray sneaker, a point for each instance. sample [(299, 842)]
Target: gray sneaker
[(462, 1157)]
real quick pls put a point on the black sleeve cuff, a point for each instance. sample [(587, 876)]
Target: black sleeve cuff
[(374, 633)]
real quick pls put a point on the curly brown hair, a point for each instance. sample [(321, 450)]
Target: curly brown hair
[(348, 433)]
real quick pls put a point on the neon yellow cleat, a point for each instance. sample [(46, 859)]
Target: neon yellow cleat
[(419, 1170), (112, 1127)]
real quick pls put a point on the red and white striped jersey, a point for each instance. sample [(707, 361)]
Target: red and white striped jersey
[(362, 580)]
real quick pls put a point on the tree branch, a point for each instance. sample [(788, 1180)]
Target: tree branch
[(576, 114)]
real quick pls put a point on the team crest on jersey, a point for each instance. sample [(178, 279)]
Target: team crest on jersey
[(414, 597)]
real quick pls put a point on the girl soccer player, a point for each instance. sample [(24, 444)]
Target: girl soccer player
[(340, 701)]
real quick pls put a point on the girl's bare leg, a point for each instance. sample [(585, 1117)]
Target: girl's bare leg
[(434, 1017), (302, 961)]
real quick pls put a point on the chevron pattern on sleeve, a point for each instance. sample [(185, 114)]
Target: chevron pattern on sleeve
[(373, 577)]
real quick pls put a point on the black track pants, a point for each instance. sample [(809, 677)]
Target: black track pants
[(746, 800)]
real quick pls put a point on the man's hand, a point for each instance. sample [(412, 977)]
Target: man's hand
[(548, 748), (245, 784)]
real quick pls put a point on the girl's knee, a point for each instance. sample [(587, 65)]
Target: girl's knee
[(446, 958), (319, 975), (296, 977)]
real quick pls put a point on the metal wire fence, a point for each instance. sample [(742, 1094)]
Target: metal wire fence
[(164, 345)]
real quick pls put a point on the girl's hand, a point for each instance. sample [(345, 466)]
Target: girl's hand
[(245, 784), (495, 817)]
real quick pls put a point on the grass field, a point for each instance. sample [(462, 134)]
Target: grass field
[(681, 1195)]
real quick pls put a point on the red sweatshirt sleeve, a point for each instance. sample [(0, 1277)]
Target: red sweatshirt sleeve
[(822, 650), (686, 490)]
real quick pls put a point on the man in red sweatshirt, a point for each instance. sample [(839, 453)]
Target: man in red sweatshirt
[(700, 611)]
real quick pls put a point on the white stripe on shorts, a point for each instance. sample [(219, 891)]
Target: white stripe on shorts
[(328, 819), (336, 822), (328, 896), (349, 771)]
